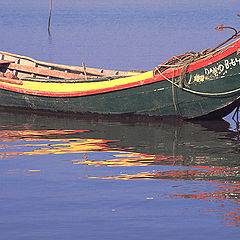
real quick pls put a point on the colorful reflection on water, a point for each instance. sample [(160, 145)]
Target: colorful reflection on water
[(195, 168)]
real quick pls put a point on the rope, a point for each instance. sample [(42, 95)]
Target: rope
[(173, 92), (184, 61), (199, 93)]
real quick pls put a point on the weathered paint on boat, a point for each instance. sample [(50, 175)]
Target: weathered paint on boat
[(214, 78)]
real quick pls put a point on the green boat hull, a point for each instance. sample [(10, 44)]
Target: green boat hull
[(154, 99)]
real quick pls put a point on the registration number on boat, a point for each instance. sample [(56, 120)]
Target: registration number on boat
[(222, 67)]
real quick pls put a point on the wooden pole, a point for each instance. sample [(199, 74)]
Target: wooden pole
[(84, 71), (49, 19)]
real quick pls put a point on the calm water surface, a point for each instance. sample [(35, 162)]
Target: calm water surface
[(64, 177)]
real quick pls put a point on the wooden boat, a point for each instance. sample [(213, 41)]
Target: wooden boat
[(191, 85)]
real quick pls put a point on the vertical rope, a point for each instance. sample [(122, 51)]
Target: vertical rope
[(173, 92)]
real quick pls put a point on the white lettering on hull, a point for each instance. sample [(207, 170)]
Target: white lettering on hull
[(222, 67)]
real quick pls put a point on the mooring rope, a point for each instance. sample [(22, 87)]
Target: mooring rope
[(184, 61), (173, 91)]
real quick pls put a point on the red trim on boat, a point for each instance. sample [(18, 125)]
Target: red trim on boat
[(205, 61), (216, 57)]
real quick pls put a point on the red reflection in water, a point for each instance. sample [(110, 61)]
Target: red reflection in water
[(62, 145), (124, 158), (232, 193), (230, 190), (8, 135), (58, 143)]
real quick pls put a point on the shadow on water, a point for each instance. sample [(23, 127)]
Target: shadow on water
[(205, 151)]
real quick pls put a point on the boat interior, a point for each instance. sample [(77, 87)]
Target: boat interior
[(15, 67)]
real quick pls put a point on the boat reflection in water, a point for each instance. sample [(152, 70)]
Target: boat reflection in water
[(163, 149)]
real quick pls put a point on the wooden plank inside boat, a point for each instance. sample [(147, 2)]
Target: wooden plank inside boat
[(10, 80), (44, 72), (91, 72)]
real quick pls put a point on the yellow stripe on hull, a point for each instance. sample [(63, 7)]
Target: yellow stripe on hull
[(69, 87)]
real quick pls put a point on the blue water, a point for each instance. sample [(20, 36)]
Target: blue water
[(69, 178), (124, 35)]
